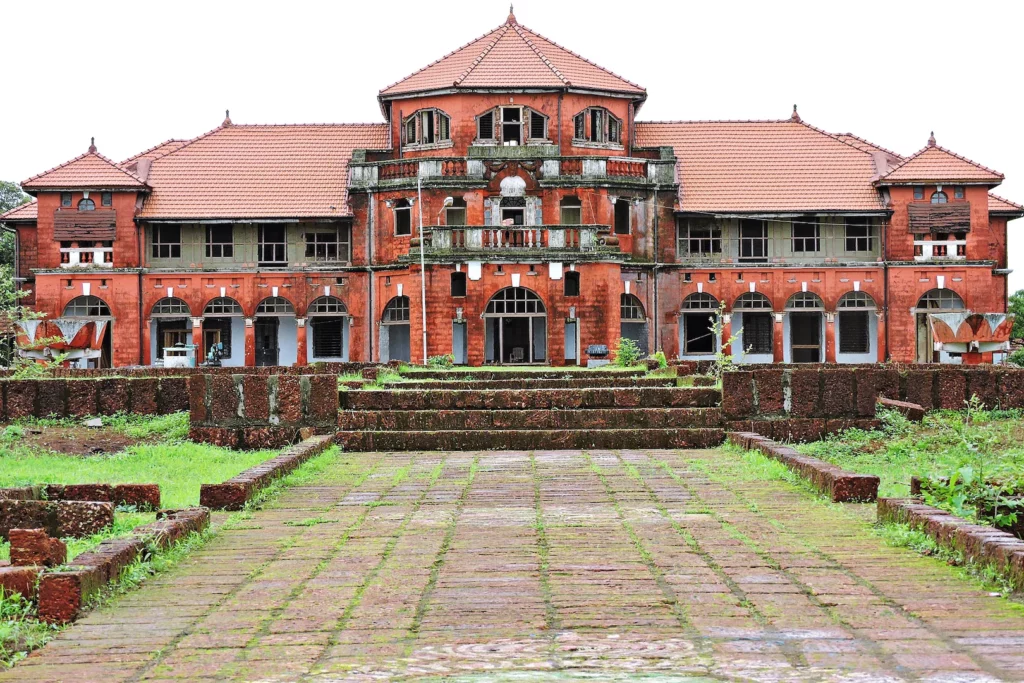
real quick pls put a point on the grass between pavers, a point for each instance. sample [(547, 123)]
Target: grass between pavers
[(21, 632)]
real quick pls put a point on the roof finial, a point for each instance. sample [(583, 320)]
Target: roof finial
[(227, 118), (795, 116), (931, 139), (92, 145), (511, 15)]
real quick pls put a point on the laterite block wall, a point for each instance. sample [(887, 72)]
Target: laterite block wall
[(84, 397)]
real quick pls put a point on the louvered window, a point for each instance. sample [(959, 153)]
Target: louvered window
[(485, 126), (538, 126), (579, 126), (757, 333), (853, 332)]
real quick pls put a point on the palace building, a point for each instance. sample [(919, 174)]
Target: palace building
[(554, 219)]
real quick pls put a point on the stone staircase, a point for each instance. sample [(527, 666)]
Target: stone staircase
[(535, 409)]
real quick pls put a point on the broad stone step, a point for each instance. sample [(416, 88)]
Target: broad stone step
[(525, 373), (538, 383), (536, 399), (598, 418), (529, 439)]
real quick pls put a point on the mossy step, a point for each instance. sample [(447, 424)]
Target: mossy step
[(518, 440), (598, 418), (588, 382), (531, 399)]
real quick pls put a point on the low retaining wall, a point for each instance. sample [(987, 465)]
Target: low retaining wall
[(838, 484), (257, 411), (312, 369), (63, 594), (83, 397), (60, 518), (144, 497), (979, 543), (511, 439), (237, 491)]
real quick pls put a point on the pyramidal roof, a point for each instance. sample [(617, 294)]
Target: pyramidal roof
[(91, 171), (512, 56), (934, 163)]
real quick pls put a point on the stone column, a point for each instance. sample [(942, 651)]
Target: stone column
[(250, 343), (726, 334), (197, 339), (300, 341), (777, 340), (830, 337)]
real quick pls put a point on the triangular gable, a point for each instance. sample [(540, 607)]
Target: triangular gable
[(937, 164), (90, 171)]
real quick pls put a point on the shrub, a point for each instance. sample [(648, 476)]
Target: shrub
[(660, 357), (1017, 358), (627, 353), (444, 362)]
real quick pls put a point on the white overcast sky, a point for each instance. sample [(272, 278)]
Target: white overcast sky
[(136, 73)]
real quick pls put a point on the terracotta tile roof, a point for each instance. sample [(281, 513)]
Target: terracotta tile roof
[(26, 212), (866, 145), (90, 171), (997, 204), (512, 56), (163, 148), (934, 163), (769, 166), (260, 171)]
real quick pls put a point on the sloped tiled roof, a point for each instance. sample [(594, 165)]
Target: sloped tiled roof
[(26, 212), (770, 166), (90, 171), (934, 163), (867, 146), (260, 171), (165, 147), (997, 204), (512, 56)]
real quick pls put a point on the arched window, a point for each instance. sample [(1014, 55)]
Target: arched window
[(631, 308), (86, 205), (597, 125), (223, 306), (856, 301), (275, 305), (515, 301), (86, 307), (170, 307), (403, 217), (941, 299), (327, 305), (752, 301), (397, 311), (805, 301), (700, 301), (939, 198), (426, 127)]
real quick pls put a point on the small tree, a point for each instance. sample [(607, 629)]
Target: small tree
[(627, 353), (1017, 308), (723, 362)]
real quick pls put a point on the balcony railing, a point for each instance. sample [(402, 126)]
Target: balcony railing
[(75, 257), (934, 250), (578, 238)]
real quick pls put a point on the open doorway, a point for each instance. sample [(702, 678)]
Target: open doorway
[(937, 300), (698, 325), (515, 328), (395, 342), (805, 312)]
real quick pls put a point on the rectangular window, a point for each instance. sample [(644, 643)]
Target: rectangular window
[(571, 215), (65, 199), (860, 234), (166, 241), (958, 192), (443, 127), (220, 241), (758, 330), (853, 332), (107, 199), (578, 123), (427, 127), (698, 238), (455, 215), (622, 214), (918, 192), (596, 125), (410, 132), (403, 220), (459, 284), (613, 130), (273, 245), (806, 236), (753, 240), (485, 126), (511, 125), (538, 126), (328, 245), (571, 284), (328, 337)]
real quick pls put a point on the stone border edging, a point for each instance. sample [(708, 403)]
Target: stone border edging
[(979, 543), (838, 484), (62, 594), (234, 493)]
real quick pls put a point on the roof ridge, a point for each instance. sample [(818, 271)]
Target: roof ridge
[(593, 64), (834, 136), (502, 30), (991, 194), (154, 147), (89, 152), (868, 142), (440, 59), (677, 121), (539, 53), (947, 151)]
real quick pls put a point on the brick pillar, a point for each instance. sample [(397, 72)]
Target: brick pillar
[(777, 340), (726, 335), (250, 343), (881, 337), (146, 341), (830, 337), (301, 342), (197, 339)]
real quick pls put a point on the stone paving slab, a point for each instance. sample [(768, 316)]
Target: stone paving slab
[(546, 565)]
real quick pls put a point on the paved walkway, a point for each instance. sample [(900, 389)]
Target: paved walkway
[(552, 565)]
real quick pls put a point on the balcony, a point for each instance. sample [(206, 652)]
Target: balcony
[(940, 250), (545, 240), (84, 257)]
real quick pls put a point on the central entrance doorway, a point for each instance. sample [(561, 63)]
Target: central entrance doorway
[(515, 329), (276, 332), (939, 300), (805, 313)]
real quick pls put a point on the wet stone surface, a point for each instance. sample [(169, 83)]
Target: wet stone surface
[(555, 565)]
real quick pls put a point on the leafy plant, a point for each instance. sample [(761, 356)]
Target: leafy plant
[(444, 362), (723, 362), (627, 353), (660, 357), (1017, 357)]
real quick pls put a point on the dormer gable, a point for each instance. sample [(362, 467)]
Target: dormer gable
[(937, 165), (90, 171)]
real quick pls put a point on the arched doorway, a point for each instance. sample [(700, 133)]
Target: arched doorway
[(329, 330), (276, 332), (944, 300), (856, 328), (515, 327), (169, 326), (78, 313), (697, 333), (804, 316), (754, 327), (633, 321), (224, 324), (394, 331)]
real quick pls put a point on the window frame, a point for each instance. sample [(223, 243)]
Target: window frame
[(616, 217), (218, 248), (159, 244), (571, 283), (66, 200), (342, 245), (86, 204), (403, 205), (686, 237), (757, 341), (416, 125), (798, 244), (276, 248), (606, 122), (864, 243), (106, 199), (854, 340), (918, 192), (459, 283), (939, 197), (763, 240)]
